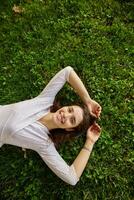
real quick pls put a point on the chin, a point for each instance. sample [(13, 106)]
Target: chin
[(56, 121)]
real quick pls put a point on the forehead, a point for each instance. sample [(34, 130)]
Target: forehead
[(78, 113)]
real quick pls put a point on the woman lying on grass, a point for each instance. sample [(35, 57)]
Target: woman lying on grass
[(38, 124)]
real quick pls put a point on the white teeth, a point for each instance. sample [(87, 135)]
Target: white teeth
[(59, 117)]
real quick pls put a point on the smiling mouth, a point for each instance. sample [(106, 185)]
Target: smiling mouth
[(60, 118)]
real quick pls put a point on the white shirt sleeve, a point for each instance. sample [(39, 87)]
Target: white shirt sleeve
[(55, 84), (56, 163)]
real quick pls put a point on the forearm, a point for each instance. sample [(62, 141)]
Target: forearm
[(79, 87), (82, 158)]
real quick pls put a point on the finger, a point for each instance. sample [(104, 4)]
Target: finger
[(97, 114), (99, 109), (91, 128), (97, 127), (94, 114)]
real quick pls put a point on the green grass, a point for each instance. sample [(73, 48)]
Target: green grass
[(96, 39)]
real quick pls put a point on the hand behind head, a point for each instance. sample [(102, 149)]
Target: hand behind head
[(93, 133)]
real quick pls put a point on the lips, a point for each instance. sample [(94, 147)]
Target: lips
[(60, 117)]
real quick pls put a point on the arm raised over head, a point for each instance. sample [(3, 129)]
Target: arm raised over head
[(77, 84), (79, 87), (55, 84)]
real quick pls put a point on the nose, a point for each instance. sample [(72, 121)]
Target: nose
[(66, 116)]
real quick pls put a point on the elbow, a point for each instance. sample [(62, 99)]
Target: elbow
[(69, 69), (73, 181), (73, 177)]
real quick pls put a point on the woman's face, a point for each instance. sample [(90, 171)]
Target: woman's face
[(69, 117)]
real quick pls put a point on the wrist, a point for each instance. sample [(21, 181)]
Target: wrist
[(88, 146), (89, 142), (88, 100)]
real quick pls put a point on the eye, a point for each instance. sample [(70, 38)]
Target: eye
[(69, 109), (72, 120)]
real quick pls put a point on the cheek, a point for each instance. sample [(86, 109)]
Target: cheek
[(68, 124)]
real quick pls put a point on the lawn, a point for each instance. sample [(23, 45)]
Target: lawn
[(96, 38)]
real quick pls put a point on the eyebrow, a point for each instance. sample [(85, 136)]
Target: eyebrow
[(74, 117), (72, 109)]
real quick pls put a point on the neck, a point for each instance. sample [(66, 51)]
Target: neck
[(48, 121)]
